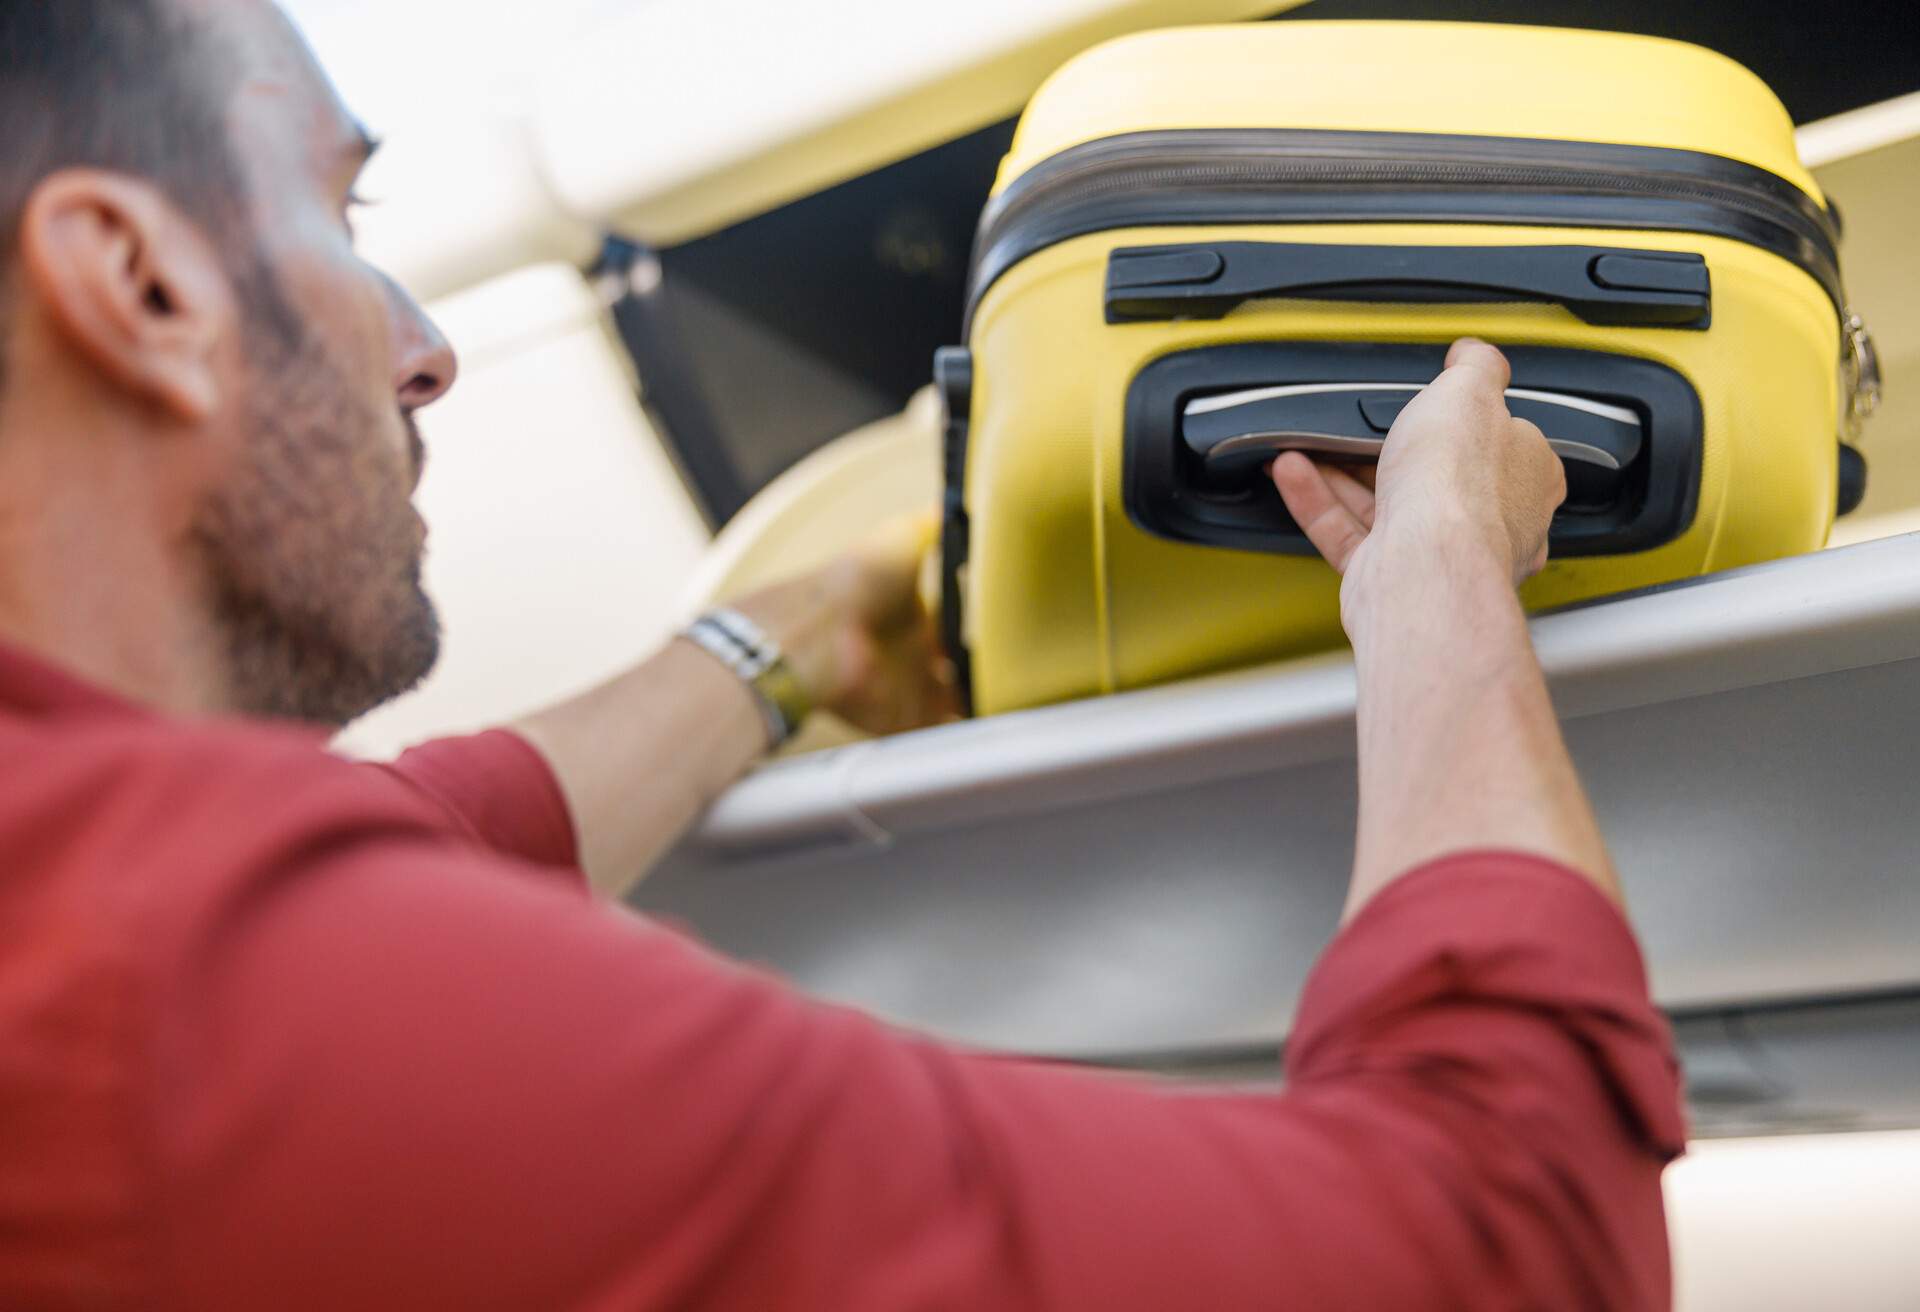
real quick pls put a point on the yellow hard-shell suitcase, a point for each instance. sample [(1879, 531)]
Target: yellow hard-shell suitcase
[(1209, 244)]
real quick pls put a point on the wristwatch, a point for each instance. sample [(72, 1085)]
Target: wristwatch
[(744, 647)]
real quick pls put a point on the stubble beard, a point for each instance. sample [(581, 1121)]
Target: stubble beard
[(311, 553)]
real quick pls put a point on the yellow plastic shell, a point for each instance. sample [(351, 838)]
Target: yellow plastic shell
[(1066, 597)]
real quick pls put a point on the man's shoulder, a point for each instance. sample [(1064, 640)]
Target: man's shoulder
[(109, 800), (145, 866)]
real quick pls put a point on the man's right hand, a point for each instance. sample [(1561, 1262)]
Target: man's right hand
[(1459, 748), (1458, 476)]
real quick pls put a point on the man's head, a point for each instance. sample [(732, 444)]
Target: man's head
[(189, 333)]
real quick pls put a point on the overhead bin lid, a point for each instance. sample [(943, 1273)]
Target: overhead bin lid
[(680, 119)]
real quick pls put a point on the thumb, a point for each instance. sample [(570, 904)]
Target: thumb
[(1484, 363)]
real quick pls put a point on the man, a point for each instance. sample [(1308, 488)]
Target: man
[(277, 1030)]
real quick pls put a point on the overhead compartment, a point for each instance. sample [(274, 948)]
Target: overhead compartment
[(1152, 874)]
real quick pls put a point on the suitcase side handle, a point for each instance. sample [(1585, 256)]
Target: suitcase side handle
[(1200, 424), (1613, 286)]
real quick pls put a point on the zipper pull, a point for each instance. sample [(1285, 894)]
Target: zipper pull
[(1862, 362)]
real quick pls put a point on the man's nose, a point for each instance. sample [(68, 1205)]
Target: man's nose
[(425, 365)]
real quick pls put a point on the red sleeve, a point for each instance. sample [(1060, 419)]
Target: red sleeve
[(385, 1079), (1486, 1019), (498, 790)]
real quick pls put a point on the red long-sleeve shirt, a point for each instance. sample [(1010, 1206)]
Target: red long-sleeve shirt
[(280, 1031)]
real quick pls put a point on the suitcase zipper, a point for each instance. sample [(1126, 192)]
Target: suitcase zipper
[(1862, 377), (1206, 176)]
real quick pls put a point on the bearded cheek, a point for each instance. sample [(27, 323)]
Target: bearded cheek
[(320, 552)]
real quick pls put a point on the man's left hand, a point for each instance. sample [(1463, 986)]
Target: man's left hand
[(859, 638)]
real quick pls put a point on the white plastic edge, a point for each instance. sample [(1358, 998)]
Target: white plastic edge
[(1859, 131), (1836, 610)]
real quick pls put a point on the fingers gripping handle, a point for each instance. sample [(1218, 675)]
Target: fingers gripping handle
[(1235, 435)]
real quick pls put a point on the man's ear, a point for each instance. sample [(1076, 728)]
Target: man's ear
[(131, 284)]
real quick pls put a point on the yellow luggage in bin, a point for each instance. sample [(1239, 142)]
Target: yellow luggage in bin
[(1209, 244)]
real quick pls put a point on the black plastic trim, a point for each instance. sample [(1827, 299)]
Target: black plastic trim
[(1611, 285), (669, 392), (1163, 485), (1200, 177), (953, 377), (1852, 480)]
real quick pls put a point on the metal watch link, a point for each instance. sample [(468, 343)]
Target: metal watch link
[(747, 650)]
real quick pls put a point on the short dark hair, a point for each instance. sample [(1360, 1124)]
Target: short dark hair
[(134, 86)]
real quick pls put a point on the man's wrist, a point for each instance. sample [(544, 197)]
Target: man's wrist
[(1452, 577), (757, 659), (802, 617)]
